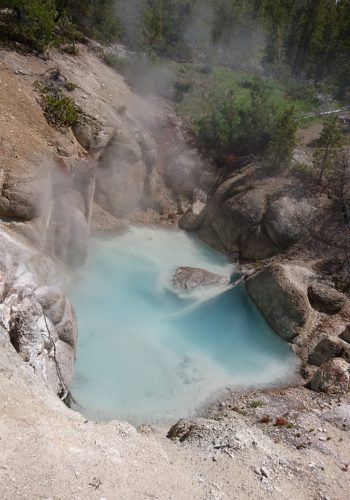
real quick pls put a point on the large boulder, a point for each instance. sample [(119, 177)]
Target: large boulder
[(327, 348), (279, 291), (121, 176), (193, 217), (286, 221), (237, 223), (251, 217), (189, 278), (239, 215), (332, 377), (92, 136), (325, 299)]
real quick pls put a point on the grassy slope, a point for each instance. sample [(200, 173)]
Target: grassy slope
[(222, 80)]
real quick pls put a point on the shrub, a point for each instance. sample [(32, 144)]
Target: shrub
[(283, 140), (60, 111), (70, 86), (28, 21), (240, 127)]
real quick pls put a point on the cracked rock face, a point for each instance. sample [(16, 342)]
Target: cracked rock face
[(38, 320)]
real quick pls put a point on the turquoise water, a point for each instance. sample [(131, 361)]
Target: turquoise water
[(147, 353)]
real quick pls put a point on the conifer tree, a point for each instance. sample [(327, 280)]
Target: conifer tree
[(284, 140), (329, 143)]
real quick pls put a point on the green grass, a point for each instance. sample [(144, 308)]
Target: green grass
[(221, 80)]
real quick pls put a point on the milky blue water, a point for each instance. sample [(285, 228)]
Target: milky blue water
[(146, 353)]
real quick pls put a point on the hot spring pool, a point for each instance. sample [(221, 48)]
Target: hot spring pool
[(146, 353)]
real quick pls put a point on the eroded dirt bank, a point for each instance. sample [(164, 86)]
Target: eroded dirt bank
[(290, 443)]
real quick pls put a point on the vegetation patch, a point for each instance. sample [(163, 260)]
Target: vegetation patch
[(59, 109)]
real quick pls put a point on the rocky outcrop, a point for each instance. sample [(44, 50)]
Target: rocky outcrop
[(121, 176), (328, 348), (23, 197), (92, 136), (35, 316), (325, 299), (333, 377), (280, 292), (189, 278), (254, 221)]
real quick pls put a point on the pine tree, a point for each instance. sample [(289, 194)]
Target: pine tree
[(329, 143), (28, 21), (284, 138)]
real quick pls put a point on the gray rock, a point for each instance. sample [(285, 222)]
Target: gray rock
[(339, 416), (23, 198), (66, 328), (121, 176), (239, 215), (189, 221), (332, 377), (325, 299), (278, 292), (182, 430), (93, 136), (60, 312), (327, 348), (256, 245), (286, 220), (189, 278), (345, 335)]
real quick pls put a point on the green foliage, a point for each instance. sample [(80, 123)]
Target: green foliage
[(306, 39), (95, 18), (311, 37), (28, 21), (258, 120), (242, 126), (218, 129), (328, 146), (66, 34), (283, 139), (59, 109), (70, 86)]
